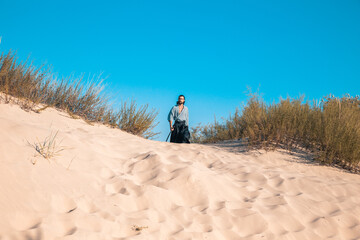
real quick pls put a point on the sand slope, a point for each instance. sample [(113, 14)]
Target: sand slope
[(105, 183)]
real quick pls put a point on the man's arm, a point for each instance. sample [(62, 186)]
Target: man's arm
[(171, 127), (171, 118)]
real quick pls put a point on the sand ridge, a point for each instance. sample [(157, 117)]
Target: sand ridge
[(108, 184)]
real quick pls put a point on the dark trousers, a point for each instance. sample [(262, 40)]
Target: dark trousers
[(181, 133)]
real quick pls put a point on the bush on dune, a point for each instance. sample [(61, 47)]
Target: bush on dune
[(330, 128), (30, 86)]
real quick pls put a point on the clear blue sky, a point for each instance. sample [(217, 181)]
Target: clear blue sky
[(210, 51)]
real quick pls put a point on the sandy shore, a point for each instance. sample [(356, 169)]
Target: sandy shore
[(108, 184)]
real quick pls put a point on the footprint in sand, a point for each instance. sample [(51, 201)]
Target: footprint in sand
[(217, 205), (86, 205), (274, 200), (64, 228), (34, 233), (250, 224), (155, 216), (276, 181), (89, 223), (222, 222), (324, 226), (24, 220), (58, 225), (106, 173), (197, 226), (62, 204), (145, 162), (226, 234), (254, 178), (347, 220), (289, 222), (107, 216), (115, 188)]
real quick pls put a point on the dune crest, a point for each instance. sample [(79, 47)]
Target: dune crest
[(108, 184)]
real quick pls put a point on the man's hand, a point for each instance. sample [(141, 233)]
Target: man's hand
[(171, 129)]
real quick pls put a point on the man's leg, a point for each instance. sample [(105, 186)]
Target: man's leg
[(173, 135), (186, 135), (183, 136)]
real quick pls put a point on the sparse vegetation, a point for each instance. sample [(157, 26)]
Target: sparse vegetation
[(330, 127), (138, 228), (30, 87), (48, 148)]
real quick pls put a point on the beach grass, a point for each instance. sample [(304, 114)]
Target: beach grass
[(49, 147), (30, 86), (330, 128)]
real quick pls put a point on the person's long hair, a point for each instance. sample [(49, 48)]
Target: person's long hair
[(177, 103)]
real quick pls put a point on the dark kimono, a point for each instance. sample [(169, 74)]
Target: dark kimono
[(181, 132)]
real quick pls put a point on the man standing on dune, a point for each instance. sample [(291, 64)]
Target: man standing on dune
[(179, 115)]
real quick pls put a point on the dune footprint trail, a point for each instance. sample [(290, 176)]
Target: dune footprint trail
[(119, 186)]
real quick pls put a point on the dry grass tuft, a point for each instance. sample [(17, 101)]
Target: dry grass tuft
[(48, 148), (330, 128), (138, 228), (28, 86)]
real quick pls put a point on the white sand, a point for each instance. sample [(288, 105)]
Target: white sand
[(176, 191)]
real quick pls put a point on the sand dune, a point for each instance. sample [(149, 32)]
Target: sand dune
[(108, 184)]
